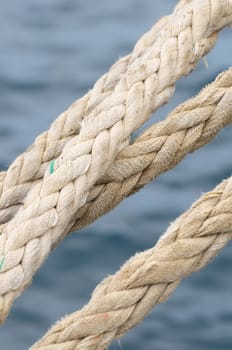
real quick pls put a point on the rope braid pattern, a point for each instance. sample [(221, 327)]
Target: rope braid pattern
[(50, 208), (123, 300), (160, 148), (189, 127), (30, 166)]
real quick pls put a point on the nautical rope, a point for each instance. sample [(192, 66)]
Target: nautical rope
[(121, 301), (50, 208), (30, 166), (189, 127)]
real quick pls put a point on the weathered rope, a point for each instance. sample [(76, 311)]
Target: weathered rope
[(50, 208), (123, 300), (189, 127), (30, 166)]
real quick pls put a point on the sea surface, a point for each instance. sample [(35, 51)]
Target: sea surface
[(51, 53)]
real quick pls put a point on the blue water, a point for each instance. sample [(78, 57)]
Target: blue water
[(52, 52)]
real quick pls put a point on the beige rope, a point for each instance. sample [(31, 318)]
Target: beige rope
[(30, 166), (161, 147), (50, 208), (123, 300), (190, 126)]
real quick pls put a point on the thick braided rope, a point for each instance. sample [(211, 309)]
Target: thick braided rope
[(189, 127), (50, 207), (123, 300), (30, 166)]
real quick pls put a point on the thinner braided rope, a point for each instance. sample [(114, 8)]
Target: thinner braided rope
[(189, 127), (123, 300), (50, 208)]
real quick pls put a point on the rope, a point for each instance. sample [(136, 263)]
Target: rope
[(50, 208), (123, 300), (30, 166), (189, 127), (160, 148)]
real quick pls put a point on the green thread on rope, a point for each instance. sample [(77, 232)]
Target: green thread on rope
[(2, 262), (51, 168)]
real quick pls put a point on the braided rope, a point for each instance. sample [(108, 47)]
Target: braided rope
[(123, 300), (189, 127), (30, 166), (50, 208)]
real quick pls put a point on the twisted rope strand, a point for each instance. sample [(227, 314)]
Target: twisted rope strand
[(121, 301), (50, 208), (30, 166), (189, 127)]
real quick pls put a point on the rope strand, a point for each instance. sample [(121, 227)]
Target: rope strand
[(189, 127), (30, 166), (123, 300)]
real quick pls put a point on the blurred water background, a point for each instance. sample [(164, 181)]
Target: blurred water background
[(52, 52)]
